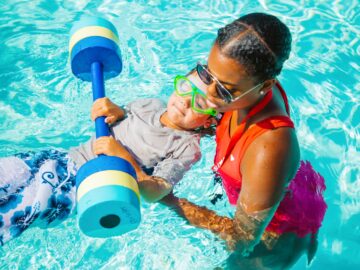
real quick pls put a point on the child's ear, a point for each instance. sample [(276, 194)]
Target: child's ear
[(210, 121)]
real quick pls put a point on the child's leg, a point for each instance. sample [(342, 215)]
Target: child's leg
[(42, 194)]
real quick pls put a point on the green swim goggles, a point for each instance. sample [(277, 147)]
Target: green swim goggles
[(184, 87)]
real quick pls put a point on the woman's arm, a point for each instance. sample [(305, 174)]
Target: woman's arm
[(199, 216), (268, 165), (266, 169), (238, 232)]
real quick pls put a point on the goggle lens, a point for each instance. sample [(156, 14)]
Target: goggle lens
[(200, 102), (183, 86)]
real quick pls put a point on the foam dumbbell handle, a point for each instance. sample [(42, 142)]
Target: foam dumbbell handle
[(101, 128)]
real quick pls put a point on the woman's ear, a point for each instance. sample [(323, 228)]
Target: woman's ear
[(267, 86), (210, 121)]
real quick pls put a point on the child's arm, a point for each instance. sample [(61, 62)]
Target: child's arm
[(152, 188), (105, 107)]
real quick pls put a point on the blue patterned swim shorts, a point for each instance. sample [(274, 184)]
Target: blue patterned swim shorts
[(36, 189)]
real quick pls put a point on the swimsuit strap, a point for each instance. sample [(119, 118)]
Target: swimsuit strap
[(283, 94)]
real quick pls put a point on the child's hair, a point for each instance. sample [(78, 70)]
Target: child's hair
[(258, 41), (206, 132)]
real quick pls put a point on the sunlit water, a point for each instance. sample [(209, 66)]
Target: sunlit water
[(42, 105)]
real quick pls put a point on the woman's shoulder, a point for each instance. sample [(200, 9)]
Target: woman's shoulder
[(276, 149), (281, 140)]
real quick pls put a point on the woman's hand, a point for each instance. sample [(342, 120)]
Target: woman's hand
[(109, 146), (105, 107)]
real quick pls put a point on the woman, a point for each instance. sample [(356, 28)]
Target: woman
[(279, 205)]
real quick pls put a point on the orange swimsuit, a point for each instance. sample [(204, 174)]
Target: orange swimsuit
[(307, 184)]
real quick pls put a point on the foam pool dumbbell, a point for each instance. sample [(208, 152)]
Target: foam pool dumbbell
[(108, 200)]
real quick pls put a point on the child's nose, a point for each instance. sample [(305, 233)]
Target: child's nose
[(186, 102)]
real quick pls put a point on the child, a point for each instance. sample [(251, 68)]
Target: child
[(161, 143)]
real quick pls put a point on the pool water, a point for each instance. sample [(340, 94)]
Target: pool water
[(42, 105)]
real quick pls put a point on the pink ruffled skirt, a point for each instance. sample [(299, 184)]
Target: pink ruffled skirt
[(303, 208)]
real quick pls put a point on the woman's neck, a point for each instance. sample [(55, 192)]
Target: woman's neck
[(238, 116), (276, 106)]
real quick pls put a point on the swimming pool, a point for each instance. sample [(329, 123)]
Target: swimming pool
[(42, 105)]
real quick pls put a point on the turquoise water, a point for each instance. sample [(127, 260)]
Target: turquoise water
[(42, 105)]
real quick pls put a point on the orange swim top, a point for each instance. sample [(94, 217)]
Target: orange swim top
[(231, 150)]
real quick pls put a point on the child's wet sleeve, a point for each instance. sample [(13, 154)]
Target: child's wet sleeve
[(177, 163), (83, 153)]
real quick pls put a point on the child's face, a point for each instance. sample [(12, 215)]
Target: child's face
[(180, 113)]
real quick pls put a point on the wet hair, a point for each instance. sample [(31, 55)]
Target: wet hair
[(258, 41), (207, 132)]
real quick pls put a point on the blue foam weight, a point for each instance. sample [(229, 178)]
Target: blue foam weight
[(95, 49), (108, 199), (92, 21), (103, 163), (119, 203)]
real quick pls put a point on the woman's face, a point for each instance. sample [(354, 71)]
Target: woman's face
[(234, 78)]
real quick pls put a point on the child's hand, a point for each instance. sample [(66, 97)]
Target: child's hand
[(105, 107), (109, 146)]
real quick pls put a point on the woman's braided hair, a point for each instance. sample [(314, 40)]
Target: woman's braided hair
[(258, 41)]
